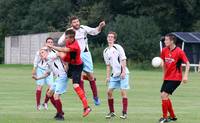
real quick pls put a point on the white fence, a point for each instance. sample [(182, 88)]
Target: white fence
[(21, 49)]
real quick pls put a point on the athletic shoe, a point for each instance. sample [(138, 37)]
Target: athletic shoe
[(86, 111), (39, 107), (164, 120), (124, 116), (96, 101), (110, 115), (173, 119), (45, 106), (56, 115), (59, 117)]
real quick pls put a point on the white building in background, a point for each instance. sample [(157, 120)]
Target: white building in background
[(21, 49)]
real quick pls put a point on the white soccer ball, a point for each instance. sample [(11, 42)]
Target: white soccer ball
[(156, 62)]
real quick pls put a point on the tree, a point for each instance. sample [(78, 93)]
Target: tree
[(139, 36)]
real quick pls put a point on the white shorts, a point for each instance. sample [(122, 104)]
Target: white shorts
[(87, 62), (48, 80), (60, 85), (118, 83)]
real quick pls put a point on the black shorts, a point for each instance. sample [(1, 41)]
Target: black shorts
[(74, 72), (169, 86)]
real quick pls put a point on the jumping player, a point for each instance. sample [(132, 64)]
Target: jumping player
[(115, 58), (173, 57), (38, 70), (81, 36), (75, 66), (56, 66)]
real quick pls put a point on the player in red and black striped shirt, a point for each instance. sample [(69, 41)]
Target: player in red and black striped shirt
[(173, 57)]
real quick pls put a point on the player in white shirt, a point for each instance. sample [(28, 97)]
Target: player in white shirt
[(55, 65), (81, 36), (115, 58), (39, 68)]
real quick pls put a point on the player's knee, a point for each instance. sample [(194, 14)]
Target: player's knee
[(50, 93), (123, 93), (164, 95), (75, 85), (90, 76), (109, 93), (39, 87), (56, 96)]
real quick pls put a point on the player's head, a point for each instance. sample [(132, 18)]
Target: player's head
[(170, 39), (44, 52), (50, 41), (111, 37), (70, 34), (74, 22)]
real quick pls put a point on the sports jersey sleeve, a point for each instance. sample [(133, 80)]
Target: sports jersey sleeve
[(183, 56), (106, 58), (122, 54), (36, 59), (61, 40), (91, 31)]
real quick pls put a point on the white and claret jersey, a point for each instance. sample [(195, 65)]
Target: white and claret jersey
[(113, 57), (81, 36), (55, 65), (38, 62)]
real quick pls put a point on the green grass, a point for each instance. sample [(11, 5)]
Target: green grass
[(17, 99)]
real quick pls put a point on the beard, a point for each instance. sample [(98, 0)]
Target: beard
[(76, 27)]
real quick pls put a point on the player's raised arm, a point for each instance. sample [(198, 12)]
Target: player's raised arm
[(94, 31), (61, 40), (101, 25)]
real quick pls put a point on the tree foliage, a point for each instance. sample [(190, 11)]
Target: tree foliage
[(143, 20), (139, 36)]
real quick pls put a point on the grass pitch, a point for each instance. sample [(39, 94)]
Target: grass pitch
[(17, 99)]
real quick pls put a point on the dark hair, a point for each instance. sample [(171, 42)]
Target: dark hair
[(114, 33), (72, 18), (70, 32), (172, 37), (49, 38)]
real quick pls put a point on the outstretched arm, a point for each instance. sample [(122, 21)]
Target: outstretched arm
[(42, 77), (94, 31), (59, 49), (101, 25)]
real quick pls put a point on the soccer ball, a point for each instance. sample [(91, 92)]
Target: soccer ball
[(156, 62)]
